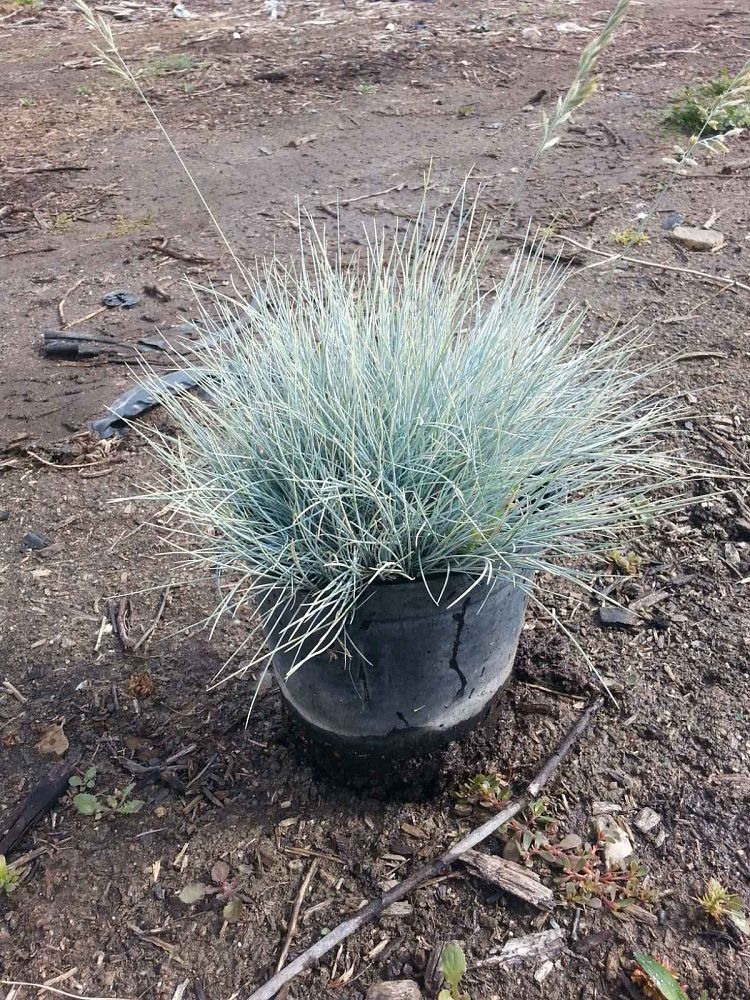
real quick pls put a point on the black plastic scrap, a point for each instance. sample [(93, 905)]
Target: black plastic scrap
[(139, 399), (136, 401), (120, 300)]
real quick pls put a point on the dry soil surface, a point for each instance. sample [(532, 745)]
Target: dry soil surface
[(351, 101)]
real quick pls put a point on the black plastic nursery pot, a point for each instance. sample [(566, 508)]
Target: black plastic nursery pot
[(416, 673)]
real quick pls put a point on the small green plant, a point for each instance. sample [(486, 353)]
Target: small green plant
[(453, 968), (365, 88), (656, 980), (720, 904), (583, 878), (490, 791), (629, 237), (25, 102), (61, 222), (8, 877), (532, 829), (702, 109), (177, 62), (587, 882), (87, 803), (126, 226), (84, 90), (627, 563)]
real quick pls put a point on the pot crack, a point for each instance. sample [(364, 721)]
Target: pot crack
[(460, 620)]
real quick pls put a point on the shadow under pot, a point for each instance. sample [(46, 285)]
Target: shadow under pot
[(415, 675)]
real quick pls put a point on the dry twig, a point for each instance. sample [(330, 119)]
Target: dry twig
[(295, 913)]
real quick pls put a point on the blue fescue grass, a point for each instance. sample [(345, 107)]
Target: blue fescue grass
[(390, 420)]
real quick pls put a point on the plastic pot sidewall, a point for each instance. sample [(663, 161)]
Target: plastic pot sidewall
[(415, 674)]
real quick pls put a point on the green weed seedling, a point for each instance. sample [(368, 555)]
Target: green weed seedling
[(87, 803), (8, 877), (718, 903), (716, 107), (629, 237), (655, 979), (453, 968), (490, 791)]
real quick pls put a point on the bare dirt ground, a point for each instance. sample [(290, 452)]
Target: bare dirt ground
[(352, 101)]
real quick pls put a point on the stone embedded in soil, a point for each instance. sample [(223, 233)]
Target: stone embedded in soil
[(34, 540), (647, 820), (617, 845), (402, 989), (609, 615), (701, 240)]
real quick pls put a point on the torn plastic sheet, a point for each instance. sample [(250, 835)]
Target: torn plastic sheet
[(138, 400)]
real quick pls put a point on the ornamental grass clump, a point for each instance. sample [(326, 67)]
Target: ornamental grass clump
[(400, 418), (394, 419)]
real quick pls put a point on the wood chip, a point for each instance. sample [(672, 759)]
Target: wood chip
[(530, 948), (647, 820), (402, 989), (511, 878)]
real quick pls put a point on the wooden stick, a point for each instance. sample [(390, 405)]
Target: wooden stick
[(41, 798), (152, 627), (295, 914), (542, 944), (726, 283), (373, 909), (63, 300), (510, 877)]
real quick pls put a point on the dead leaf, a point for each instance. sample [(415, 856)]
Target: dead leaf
[(343, 979), (141, 685), (220, 872), (54, 742), (193, 893), (414, 831), (233, 911)]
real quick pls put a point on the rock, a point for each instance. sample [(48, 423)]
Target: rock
[(701, 240), (647, 820), (34, 540), (402, 989), (609, 615), (617, 845), (572, 28), (672, 220), (531, 34)]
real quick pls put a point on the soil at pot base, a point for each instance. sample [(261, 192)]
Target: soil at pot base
[(416, 673)]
